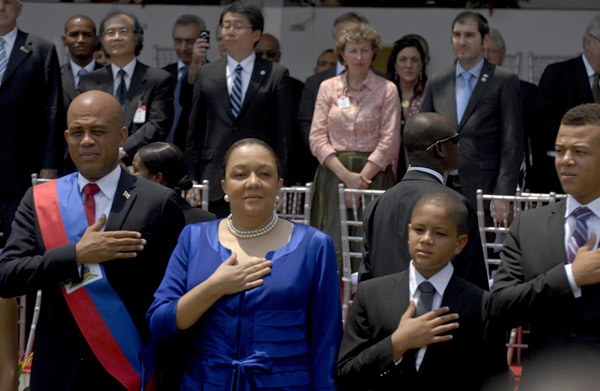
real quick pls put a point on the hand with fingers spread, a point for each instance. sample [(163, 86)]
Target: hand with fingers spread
[(232, 277), (98, 247), (429, 328), (586, 265)]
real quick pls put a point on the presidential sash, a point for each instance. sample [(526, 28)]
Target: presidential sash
[(99, 312)]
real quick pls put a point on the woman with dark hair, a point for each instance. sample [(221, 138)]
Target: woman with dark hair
[(406, 68), (164, 163), (255, 297)]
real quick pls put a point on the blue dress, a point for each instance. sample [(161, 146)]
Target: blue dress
[(283, 335)]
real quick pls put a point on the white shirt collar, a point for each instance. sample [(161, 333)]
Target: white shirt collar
[(588, 68), (428, 171), (439, 280), (245, 63), (107, 184), (89, 67), (9, 40), (339, 68), (474, 70), (573, 204), (129, 68)]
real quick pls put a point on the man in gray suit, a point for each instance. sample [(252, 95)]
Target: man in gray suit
[(484, 103)]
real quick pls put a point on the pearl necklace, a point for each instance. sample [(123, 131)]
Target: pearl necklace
[(251, 233)]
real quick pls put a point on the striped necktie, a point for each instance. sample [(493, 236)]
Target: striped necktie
[(580, 232), (3, 59), (425, 299), (236, 92), (122, 90)]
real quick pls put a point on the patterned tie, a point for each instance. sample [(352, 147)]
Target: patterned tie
[(80, 72), (183, 71), (463, 96), (595, 89), (580, 233), (3, 59), (89, 205), (425, 299), (122, 90), (236, 92)]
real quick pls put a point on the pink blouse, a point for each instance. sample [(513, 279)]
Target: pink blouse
[(371, 123)]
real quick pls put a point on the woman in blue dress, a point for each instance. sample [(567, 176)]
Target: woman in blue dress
[(255, 297)]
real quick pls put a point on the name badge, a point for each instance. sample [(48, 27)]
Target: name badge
[(343, 101), (91, 272), (140, 115)]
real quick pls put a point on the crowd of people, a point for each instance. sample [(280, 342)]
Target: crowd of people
[(144, 290)]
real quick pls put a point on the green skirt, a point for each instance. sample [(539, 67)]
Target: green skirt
[(325, 212)]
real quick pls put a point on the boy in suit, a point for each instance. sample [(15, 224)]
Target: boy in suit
[(422, 327)]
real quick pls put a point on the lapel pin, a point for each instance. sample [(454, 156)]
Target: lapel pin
[(24, 49), (126, 194), (262, 73), (484, 78)]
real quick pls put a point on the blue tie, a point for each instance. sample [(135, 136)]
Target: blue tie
[(463, 96), (236, 92), (3, 59), (80, 73), (176, 104), (122, 90), (580, 233)]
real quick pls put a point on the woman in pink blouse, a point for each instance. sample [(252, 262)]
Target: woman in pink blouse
[(355, 131), (406, 68)]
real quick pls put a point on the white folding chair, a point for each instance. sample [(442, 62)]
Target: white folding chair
[(351, 222), (296, 202), (164, 55), (203, 188), (539, 62), (512, 62)]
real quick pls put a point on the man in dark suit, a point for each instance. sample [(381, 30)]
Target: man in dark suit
[(433, 153), (145, 93), (30, 102), (563, 86), (484, 103), (134, 225), (191, 53), (238, 96), (309, 99), (417, 329), (549, 275)]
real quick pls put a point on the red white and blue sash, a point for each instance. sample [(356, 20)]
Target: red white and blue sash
[(99, 312)]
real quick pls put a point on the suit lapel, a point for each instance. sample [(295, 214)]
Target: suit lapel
[(125, 197), (135, 93), (22, 49), (556, 229), (487, 72), (399, 298), (582, 80), (68, 83), (261, 72), (447, 95)]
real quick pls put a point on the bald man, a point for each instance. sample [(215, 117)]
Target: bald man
[(97, 242)]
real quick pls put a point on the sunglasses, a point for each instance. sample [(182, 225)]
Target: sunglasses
[(454, 140)]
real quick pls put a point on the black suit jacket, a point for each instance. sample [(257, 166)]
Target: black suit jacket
[(70, 91), (386, 232), (531, 286), (25, 265), (365, 360), (150, 87), (265, 114), (31, 137), (185, 100), (491, 129), (563, 86)]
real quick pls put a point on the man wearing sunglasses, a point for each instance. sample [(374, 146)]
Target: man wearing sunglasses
[(433, 149)]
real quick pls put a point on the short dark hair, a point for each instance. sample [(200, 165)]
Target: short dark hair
[(482, 23), (250, 11), (138, 31), (585, 114), (454, 207), (250, 141), (169, 161), (80, 16), (187, 19), (405, 42)]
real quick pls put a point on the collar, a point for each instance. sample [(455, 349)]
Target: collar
[(339, 68), (245, 63), (129, 68), (89, 67), (181, 64), (429, 171), (573, 204), (107, 184), (10, 38), (369, 82), (474, 70), (588, 68), (439, 280)]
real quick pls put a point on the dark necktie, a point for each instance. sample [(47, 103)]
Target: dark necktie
[(596, 89), (177, 104), (122, 90), (425, 299), (80, 73), (89, 205), (236, 92), (3, 59), (580, 232)]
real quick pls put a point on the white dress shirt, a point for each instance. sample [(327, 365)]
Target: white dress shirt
[(108, 187), (75, 69), (247, 65), (9, 41), (589, 70), (428, 171), (129, 68)]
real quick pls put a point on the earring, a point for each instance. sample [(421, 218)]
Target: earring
[(226, 198), (277, 198)]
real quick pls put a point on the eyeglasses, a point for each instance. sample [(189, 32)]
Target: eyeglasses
[(234, 27), (593, 36), (454, 140), (121, 31)]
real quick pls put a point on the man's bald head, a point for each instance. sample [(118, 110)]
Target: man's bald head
[(98, 102), (268, 48)]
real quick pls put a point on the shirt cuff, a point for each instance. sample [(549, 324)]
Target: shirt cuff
[(574, 288), (398, 361)]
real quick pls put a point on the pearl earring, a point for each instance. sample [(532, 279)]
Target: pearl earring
[(226, 198)]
